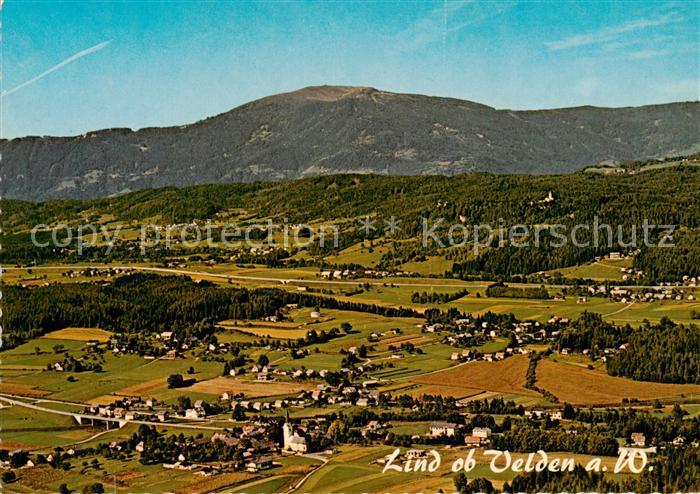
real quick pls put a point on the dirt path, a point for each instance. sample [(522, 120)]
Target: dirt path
[(618, 311)]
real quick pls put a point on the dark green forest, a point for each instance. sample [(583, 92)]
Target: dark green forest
[(664, 352), (147, 303), (661, 197)]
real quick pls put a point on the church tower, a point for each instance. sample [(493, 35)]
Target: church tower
[(287, 433)]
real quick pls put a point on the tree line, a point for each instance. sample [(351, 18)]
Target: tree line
[(148, 303)]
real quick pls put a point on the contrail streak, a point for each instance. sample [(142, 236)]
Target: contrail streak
[(68, 60)]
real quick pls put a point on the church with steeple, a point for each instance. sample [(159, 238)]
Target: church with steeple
[(291, 439)]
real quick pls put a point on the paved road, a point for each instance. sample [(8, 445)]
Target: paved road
[(189, 272), (318, 457), (447, 282), (83, 416)]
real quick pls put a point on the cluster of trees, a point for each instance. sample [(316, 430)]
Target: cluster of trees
[(590, 332), (531, 378), (176, 381), (528, 439), (502, 290), (666, 352), (435, 315), (496, 406), (72, 364), (313, 337), (437, 297), (671, 264), (239, 360), (677, 470), (658, 428), (510, 261), (478, 485)]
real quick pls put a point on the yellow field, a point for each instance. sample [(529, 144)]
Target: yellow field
[(506, 376), (415, 339), (272, 330), (143, 387), (250, 389), (106, 399), (579, 386), (21, 389), (443, 390), (216, 483), (80, 334)]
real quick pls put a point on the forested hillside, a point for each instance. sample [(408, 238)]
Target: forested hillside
[(625, 202)]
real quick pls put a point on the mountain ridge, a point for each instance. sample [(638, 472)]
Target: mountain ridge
[(321, 130)]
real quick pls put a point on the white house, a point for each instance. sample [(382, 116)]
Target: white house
[(442, 429), (638, 439), (481, 432), (262, 463)]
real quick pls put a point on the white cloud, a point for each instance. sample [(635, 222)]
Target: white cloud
[(611, 33), (643, 54), (59, 65)]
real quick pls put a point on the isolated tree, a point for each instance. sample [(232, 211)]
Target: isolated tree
[(95, 488), (19, 459), (175, 381), (337, 430), (678, 413), (461, 482), (479, 485), (238, 413), (8, 477)]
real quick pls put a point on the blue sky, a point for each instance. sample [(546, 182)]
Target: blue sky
[(71, 67)]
